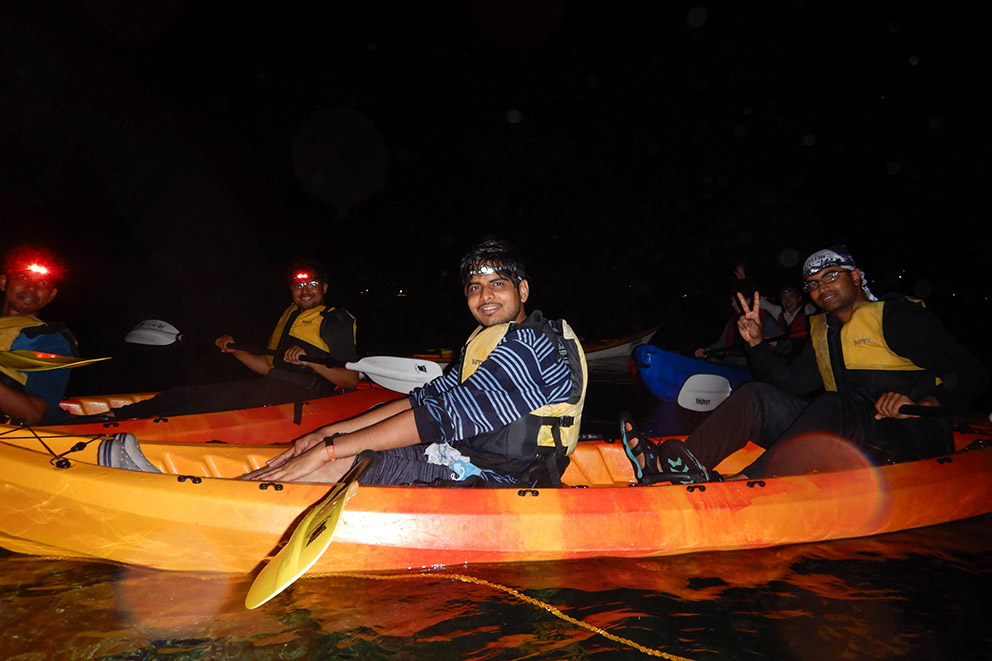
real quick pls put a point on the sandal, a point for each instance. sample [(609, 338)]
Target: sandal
[(645, 447), (678, 465)]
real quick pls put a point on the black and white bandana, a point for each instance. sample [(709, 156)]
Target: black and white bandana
[(835, 257)]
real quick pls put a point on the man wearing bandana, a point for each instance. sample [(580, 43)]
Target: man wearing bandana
[(866, 358), (508, 412)]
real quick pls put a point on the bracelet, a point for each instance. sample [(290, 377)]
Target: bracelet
[(329, 446)]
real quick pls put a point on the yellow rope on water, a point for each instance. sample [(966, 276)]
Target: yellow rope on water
[(530, 600)]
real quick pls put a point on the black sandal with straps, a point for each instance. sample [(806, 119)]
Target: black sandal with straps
[(645, 446), (681, 466)]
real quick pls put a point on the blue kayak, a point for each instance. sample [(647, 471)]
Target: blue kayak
[(664, 372)]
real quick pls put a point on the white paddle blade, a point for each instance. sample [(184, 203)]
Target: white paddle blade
[(153, 332), (399, 374), (704, 392)]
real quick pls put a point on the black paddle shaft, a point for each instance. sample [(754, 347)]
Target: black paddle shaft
[(327, 362)]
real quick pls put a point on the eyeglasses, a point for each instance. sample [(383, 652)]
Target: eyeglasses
[(309, 284), (825, 279)]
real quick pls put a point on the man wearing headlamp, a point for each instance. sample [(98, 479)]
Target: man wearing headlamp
[(509, 411), (29, 278), (307, 327)]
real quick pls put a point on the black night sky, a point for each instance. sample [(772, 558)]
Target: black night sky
[(178, 153)]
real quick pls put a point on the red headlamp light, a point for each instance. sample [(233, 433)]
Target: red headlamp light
[(34, 263), (36, 270), (303, 279)]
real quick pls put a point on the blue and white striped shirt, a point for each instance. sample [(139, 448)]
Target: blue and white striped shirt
[(523, 373)]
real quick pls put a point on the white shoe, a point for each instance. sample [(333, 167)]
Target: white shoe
[(123, 451)]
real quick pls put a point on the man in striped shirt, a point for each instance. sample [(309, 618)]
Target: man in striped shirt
[(520, 382)]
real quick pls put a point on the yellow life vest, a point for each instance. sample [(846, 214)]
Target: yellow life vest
[(10, 328), (863, 344), (306, 328), (557, 425)]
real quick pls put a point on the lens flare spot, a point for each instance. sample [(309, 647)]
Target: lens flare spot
[(865, 496)]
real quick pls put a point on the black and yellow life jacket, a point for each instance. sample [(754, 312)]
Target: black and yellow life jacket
[(304, 328), (551, 431), (10, 329), (858, 361)]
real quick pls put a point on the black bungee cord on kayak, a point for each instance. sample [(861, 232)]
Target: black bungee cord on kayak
[(57, 460)]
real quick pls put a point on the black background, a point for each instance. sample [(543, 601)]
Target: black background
[(177, 154)]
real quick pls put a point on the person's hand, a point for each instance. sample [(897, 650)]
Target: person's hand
[(888, 405), (739, 272), (699, 353), (292, 355), (749, 323), (294, 469), (300, 446), (223, 342)]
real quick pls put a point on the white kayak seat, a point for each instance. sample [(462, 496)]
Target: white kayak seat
[(704, 392), (123, 451)]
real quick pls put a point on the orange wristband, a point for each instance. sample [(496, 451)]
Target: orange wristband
[(329, 446)]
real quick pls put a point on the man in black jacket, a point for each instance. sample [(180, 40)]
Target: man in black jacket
[(307, 327), (865, 359)]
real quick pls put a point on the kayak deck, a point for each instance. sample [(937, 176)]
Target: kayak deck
[(96, 404), (266, 424)]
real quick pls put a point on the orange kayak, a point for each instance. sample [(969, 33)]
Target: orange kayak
[(194, 517), (266, 424)]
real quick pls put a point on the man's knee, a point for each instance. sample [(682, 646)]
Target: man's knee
[(759, 397)]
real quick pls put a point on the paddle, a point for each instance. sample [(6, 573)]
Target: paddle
[(393, 373), (940, 412), (310, 539), (25, 360), (703, 392)]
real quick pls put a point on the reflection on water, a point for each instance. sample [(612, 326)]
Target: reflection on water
[(919, 594)]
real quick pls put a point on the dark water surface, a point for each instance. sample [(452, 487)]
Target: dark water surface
[(920, 594)]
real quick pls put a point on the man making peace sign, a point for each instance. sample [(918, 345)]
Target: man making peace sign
[(865, 359)]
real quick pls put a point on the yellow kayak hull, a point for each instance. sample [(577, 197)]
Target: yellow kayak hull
[(195, 517)]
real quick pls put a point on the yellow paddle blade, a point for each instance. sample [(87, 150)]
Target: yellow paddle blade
[(36, 361), (309, 541)]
